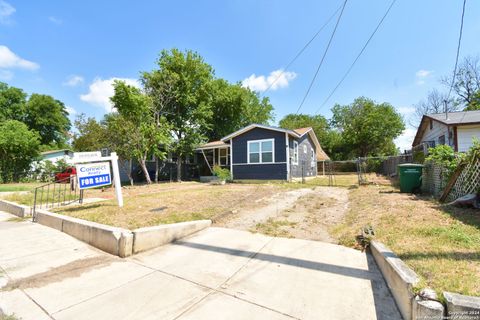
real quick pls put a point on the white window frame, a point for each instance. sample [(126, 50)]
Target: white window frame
[(226, 157), (295, 153), (260, 158)]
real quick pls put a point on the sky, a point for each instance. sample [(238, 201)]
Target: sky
[(74, 50)]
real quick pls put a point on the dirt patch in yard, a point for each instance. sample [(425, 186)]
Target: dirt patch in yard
[(302, 213)]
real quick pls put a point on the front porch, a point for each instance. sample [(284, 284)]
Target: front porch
[(215, 153)]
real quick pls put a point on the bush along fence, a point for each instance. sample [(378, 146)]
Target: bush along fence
[(450, 180)]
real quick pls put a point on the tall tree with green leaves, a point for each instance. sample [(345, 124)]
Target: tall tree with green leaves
[(91, 134), (234, 107), (49, 118), (367, 128), (12, 103), (180, 90), (19, 147), (136, 122)]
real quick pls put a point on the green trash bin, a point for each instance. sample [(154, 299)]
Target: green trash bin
[(410, 175)]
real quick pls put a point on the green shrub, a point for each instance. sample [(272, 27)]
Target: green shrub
[(221, 173), (445, 156)]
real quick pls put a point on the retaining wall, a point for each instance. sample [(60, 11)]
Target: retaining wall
[(14, 208)]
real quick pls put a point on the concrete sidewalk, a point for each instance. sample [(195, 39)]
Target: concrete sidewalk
[(215, 274)]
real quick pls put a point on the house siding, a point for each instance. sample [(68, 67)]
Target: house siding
[(466, 135), (243, 170), (304, 158), (438, 129)]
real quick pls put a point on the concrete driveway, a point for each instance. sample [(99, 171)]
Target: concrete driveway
[(215, 274)]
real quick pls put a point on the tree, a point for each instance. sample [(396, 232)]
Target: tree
[(180, 90), (318, 122), (435, 103), (91, 136), (12, 103), (19, 146), (234, 107), (474, 103), (136, 122), (367, 128), (466, 83), (49, 118)]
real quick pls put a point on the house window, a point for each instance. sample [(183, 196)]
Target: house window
[(223, 157), (441, 139), (295, 152), (313, 158), (431, 124), (261, 151), (304, 148)]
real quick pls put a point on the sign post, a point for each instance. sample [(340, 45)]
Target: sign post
[(93, 170)]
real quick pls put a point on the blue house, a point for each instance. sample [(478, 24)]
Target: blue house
[(264, 152)]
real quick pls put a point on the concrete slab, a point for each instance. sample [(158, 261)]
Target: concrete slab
[(211, 268), (333, 281), (155, 296), (85, 284), (4, 216), (21, 306), (222, 306)]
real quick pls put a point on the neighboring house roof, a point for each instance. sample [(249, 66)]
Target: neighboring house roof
[(302, 131), (55, 151), (458, 118)]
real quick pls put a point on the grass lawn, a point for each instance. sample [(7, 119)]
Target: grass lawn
[(15, 187), (171, 202), (442, 244)]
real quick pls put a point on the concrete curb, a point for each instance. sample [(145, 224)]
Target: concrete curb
[(399, 277), (14, 208), (462, 307), (116, 241), (151, 237)]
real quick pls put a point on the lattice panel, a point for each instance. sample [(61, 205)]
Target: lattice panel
[(467, 182)]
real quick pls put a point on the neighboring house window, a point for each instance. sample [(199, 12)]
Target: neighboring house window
[(223, 157), (431, 124), (441, 139), (295, 152), (261, 151), (304, 148), (313, 158)]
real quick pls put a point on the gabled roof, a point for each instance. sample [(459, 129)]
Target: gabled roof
[(256, 125), (458, 118), (302, 131)]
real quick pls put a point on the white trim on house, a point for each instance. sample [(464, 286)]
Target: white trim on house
[(295, 153), (254, 125), (313, 158), (231, 158), (260, 157), (287, 154), (254, 163)]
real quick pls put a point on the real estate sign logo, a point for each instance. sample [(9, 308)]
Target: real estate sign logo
[(91, 175)]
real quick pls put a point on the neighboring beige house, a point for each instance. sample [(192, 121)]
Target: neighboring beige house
[(455, 129)]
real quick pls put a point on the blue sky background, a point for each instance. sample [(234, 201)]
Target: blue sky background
[(72, 50)]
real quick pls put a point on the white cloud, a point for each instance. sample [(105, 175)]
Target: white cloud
[(277, 79), (100, 91), (406, 111), (55, 20), (404, 141), (71, 111), (6, 75), (9, 60), (6, 11), (73, 81), (422, 75)]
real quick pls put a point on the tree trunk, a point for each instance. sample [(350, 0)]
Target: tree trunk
[(145, 171), (156, 169), (179, 168)]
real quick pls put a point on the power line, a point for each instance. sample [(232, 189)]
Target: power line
[(301, 51), (323, 58), (358, 56), (458, 51)]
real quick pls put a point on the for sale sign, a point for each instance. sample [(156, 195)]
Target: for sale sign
[(91, 175)]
